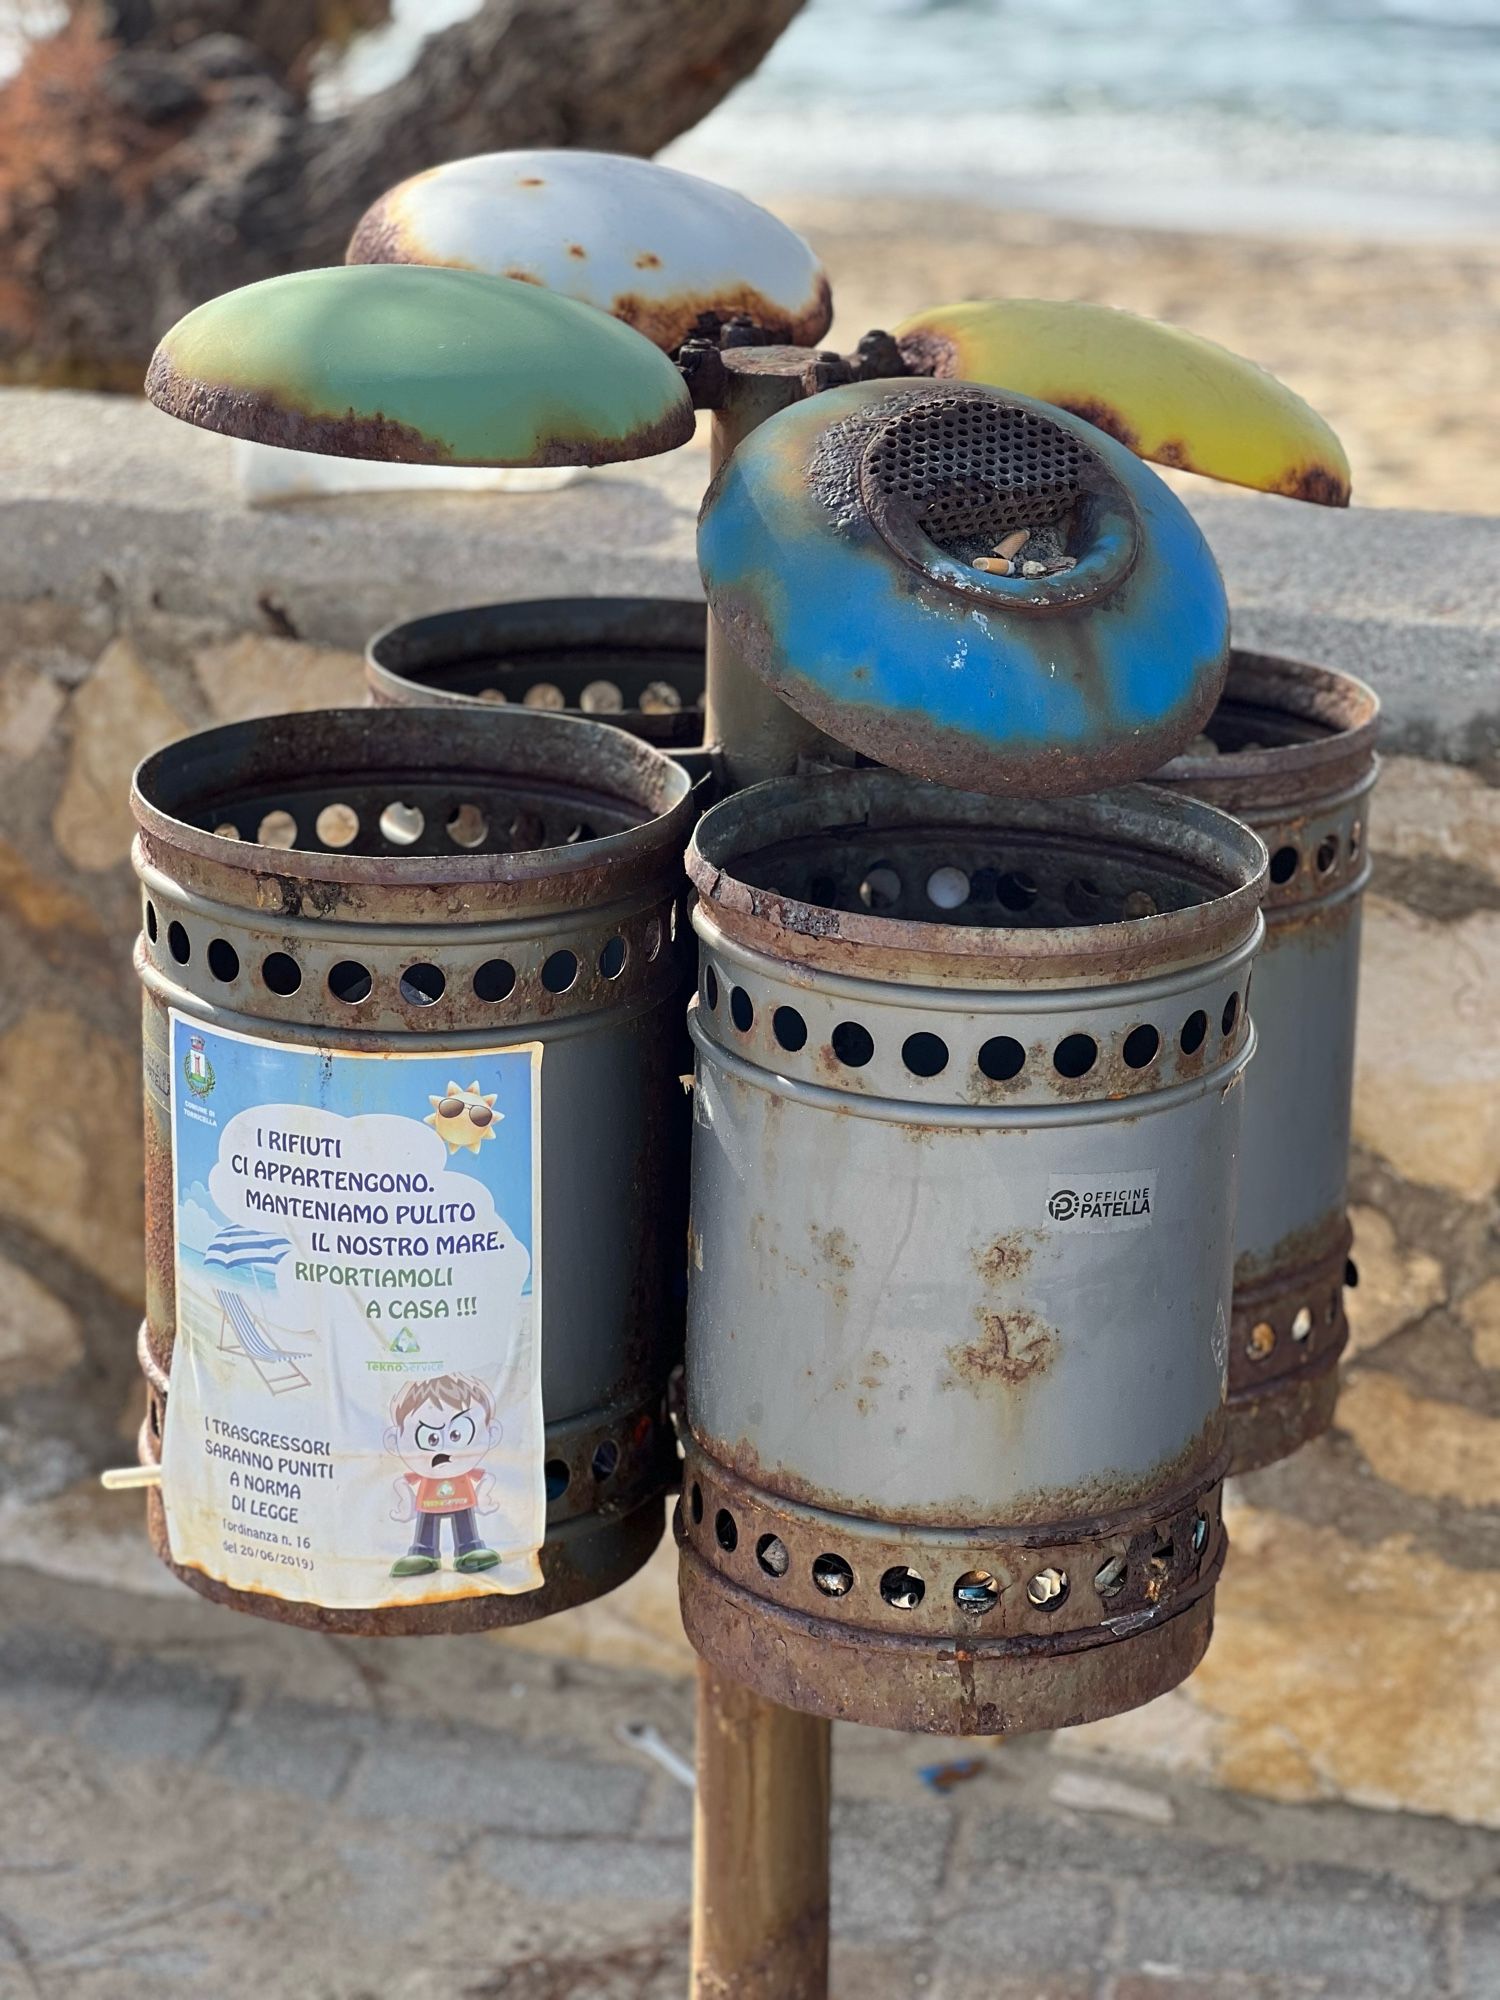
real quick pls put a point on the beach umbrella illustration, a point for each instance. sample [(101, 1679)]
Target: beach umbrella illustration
[(243, 1253)]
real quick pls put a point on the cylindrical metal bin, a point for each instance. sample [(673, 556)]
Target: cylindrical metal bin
[(1291, 751), (636, 662), (963, 1195), (334, 898)]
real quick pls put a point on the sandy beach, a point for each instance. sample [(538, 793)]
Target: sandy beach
[(1394, 342)]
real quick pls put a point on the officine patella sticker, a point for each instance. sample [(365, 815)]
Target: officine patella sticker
[(1100, 1203)]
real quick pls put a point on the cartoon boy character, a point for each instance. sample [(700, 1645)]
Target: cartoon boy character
[(440, 1431)]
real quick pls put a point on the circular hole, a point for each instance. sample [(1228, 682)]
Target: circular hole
[(852, 1044), (1139, 903), (277, 829), (1262, 1339), (1141, 1047), (177, 943), (710, 988), (153, 1416), (579, 831), (227, 830), (741, 1010), (605, 1459), (336, 825), (770, 1553), (789, 1028), (401, 824), (902, 1588), (467, 826), (1075, 1055), (726, 1534), (526, 830), (612, 958), (671, 918), (659, 698), (1230, 1014), (1001, 1058), (1328, 853), (559, 972), (151, 925), (881, 888), (696, 1501), (1016, 890), (1194, 1028), (1284, 864), (976, 1592), (833, 1576), (281, 972), (350, 982), (1164, 1554), (1109, 1578), (542, 694), (653, 938), (1351, 1273), (555, 1477), (422, 985), (947, 888), (823, 890), (1048, 1588), (924, 1054), (1302, 1324), (223, 960), (1200, 1533), (601, 698), (495, 980), (1082, 897)]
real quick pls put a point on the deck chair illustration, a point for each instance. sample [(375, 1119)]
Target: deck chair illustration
[(240, 1332)]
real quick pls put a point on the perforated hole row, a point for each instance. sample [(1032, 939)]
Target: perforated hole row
[(1093, 1581), (1129, 1059), (435, 825), (422, 983), (974, 469), (1287, 1336), (1315, 859)]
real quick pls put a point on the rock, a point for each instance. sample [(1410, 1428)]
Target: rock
[(29, 706), (1083, 1791), (39, 902), (1436, 1450), (39, 1337), (116, 717), (257, 675), (70, 1165), (1336, 1672), (1480, 1313), (1427, 1065), (1395, 1286)]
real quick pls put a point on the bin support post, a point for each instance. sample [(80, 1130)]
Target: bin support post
[(760, 1847)]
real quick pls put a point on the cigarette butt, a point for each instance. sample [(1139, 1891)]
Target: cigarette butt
[(994, 565), (125, 1478), (1013, 543)]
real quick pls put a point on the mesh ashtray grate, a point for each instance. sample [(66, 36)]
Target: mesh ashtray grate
[(972, 470)]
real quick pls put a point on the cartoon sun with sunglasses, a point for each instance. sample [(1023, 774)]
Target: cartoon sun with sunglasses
[(464, 1119)]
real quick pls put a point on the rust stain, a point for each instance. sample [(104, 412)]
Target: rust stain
[(252, 414), (669, 320), (1007, 1257), (1318, 484), (1011, 1348), (577, 250), (531, 181), (522, 277), (1105, 417), (648, 261), (833, 1245)]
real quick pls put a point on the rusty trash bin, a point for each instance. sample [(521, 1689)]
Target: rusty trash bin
[(410, 1012)]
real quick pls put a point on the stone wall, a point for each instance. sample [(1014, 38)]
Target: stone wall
[(1358, 1649)]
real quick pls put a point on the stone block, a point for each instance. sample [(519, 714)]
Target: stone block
[(1396, 1284), (586, 1870), (115, 718), (1438, 1450), (481, 1779), (39, 1337)]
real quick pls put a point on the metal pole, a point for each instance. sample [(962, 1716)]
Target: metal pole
[(757, 734), (760, 1821), (760, 1847)]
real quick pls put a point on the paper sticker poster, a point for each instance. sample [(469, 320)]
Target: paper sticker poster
[(355, 1416)]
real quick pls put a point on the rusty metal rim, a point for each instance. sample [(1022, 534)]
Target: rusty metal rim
[(938, 1692), (396, 744), (1245, 1396), (979, 1650), (1307, 909), (1227, 857), (955, 999), (1345, 706), (1023, 1537), (965, 1117)]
